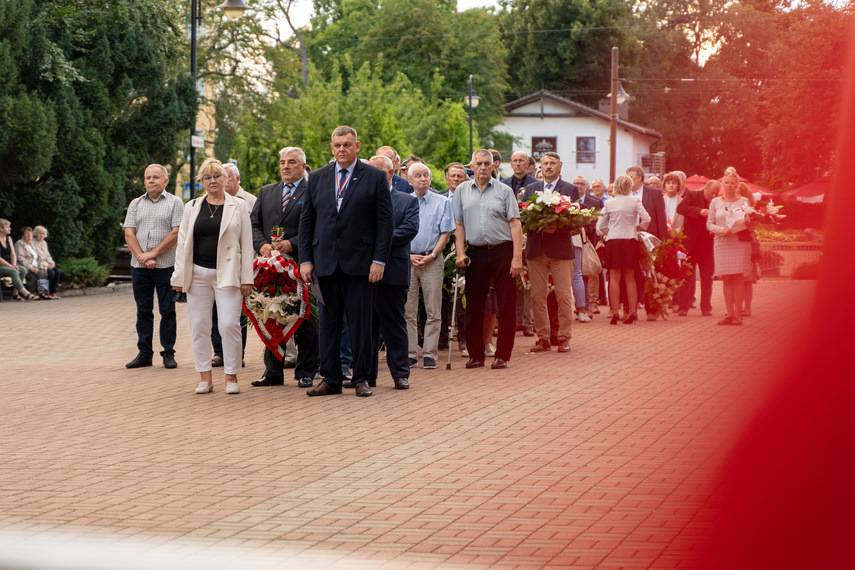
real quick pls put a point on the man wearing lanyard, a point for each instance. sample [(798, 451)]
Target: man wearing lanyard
[(487, 217), (344, 240), (436, 222)]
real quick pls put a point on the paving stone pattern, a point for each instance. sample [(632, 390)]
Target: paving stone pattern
[(602, 457)]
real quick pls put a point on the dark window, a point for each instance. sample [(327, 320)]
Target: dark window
[(586, 149)]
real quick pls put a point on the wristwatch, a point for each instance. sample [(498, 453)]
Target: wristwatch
[(433, 254)]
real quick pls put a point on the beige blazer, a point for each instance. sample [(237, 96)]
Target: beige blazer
[(234, 248)]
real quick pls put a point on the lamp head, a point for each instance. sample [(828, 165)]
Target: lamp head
[(233, 8)]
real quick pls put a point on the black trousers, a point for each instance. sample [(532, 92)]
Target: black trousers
[(306, 339), (702, 258), (390, 321), (352, 295), (490, 264)]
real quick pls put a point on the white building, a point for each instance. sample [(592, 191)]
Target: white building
[(543, 121)]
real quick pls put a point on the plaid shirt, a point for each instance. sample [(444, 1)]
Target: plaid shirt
[(153, 221)]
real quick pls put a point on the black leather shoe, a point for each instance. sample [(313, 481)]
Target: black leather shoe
[(139, 362), (363, 390), (304, 382), (324, 389), (402, 384), (706, 313), (564, 346), (498, 364), (472, 363), (682, 313), (528, 331), (347, 384), (169, 361), (268, 382)]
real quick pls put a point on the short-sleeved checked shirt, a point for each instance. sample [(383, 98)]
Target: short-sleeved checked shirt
[(153, 221)]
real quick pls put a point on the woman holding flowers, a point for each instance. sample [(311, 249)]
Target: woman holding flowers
[(213, 263), (728, 217), (620, 220)]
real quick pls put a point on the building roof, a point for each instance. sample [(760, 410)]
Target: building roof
[(578, 108)]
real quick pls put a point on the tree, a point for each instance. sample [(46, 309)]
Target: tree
[(92, 94)]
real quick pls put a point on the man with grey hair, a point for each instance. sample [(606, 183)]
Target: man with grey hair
[(281, 204), (389, 319), (654, 182), (436, 222), (488, 240)]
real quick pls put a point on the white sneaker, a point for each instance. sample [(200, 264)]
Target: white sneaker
[(204, 388), (464, 353), (584, 318), (490, 349), (232, 388)]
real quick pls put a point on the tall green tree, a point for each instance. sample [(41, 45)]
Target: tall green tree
[(104, 100)]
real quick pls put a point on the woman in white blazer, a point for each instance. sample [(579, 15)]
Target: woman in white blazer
[(213, 262)]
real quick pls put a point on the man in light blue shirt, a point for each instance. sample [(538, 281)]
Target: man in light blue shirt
[(436, 222)]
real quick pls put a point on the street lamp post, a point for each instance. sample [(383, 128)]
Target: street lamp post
[(617, 96), (232, 9), (473, 102)]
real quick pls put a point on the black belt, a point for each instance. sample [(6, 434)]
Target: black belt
[(491, 246), (425, 253)]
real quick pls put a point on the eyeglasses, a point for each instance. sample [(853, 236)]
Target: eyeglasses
[(210, 177)]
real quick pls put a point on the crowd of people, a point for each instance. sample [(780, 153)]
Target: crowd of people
[(28, 263), (372, 235)]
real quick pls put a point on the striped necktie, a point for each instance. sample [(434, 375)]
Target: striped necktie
[(286, 195)]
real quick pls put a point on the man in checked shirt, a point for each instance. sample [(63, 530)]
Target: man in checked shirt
[(151, 232)]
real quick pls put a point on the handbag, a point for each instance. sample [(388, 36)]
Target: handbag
[(590, 260), (179, 296), (43, 287)]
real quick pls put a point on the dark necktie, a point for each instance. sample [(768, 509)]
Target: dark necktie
[(286, 196)]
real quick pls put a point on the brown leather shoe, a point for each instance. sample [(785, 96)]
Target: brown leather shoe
[(541, 346), (362, 389), (402, 384), (324, 389), (564, 346)]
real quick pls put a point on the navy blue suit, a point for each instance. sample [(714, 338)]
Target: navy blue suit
[(389, 315), (526, 182), (557, 245), (401, 184), (654, 203), (342, 244)]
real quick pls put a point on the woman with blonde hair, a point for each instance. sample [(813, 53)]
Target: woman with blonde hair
[(620, 220), (213, 263), (728, 217)]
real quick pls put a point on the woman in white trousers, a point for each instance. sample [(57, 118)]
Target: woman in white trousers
[(213, 263)]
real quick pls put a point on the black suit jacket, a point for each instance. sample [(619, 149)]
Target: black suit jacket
[(405, 210), (353, 237), (401, 185), (558, 245), (695, 225), (267, 213), (654, 203), (526, 182)]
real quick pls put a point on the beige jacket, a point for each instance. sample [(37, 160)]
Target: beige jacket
[(234, 249)]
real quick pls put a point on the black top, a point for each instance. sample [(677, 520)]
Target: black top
[(206, 235), (6, 251)]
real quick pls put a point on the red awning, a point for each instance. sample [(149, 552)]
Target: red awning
[(811, 193)]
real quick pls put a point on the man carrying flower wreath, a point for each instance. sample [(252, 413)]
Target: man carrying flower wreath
[(551, 251), (281, 204)]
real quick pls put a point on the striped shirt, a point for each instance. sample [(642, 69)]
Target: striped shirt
[(153, 221)]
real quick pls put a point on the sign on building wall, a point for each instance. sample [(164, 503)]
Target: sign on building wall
[(541, 145)]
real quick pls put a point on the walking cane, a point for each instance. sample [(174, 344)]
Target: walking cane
[(453, 315)]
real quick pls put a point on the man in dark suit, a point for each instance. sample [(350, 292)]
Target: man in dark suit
[(345, 236), (281, 204), (551, 251), (654, 203), (389, 318), (699, 243), (520, 179), (398, 183)]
